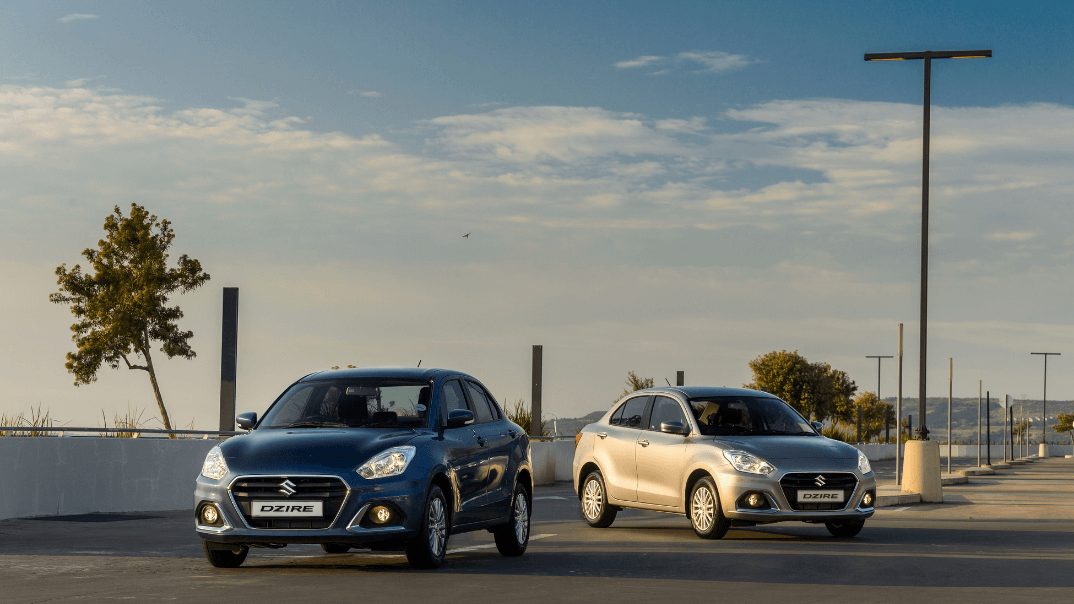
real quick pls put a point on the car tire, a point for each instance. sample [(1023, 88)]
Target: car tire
[(845, 530), (427, 550), (222, 557), (513, 538), (595, 508), (705, 512), (335, 548)]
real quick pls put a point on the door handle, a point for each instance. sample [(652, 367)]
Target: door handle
[(602, 434), (481, 441), (511, 433), (644, 443)]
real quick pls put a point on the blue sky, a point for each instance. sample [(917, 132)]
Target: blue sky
[(650, 187)]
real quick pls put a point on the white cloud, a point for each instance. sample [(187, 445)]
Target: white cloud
[(76, 17), (1013, 236), (642, 61), (80, 82), (710, 61), (716, 61)]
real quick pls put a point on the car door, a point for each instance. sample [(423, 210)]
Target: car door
[(467, 456), (660, 457), (491, 427), (615, 448)]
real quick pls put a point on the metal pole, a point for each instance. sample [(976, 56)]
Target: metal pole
[(950, 381), (1004, 430), (923, 430), (229, 348), (988, 425), (898, 416), (680, 378), (859, 423), (535, 390), (978, 423), (1010, 413)]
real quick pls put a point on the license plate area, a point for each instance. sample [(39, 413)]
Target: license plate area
[(820, 496), (288, 509)]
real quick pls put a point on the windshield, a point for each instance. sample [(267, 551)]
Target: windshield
[(365, 402), (748, 415)]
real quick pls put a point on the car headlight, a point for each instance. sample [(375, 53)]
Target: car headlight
[(214, 467), (744, 462), (863, 463), (390, 462)]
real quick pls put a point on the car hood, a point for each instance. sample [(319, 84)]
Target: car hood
[(312, 446), (776, 447)]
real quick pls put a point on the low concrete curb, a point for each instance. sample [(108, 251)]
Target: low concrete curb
[(977, 471), (999, 466), (1015, 462), (891, 496), (950, 479)]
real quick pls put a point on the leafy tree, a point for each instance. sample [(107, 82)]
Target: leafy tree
[(122, 308), (635, 383), (814, 389), (873, 414), (1066, 424)]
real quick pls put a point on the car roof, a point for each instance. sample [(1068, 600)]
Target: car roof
[(707, 391), (403, 373)]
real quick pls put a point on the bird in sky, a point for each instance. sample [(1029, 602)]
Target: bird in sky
[(466, 236)]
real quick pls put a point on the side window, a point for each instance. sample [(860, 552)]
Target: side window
[(617, 417), (482, 412), (633, 411), (452, 398), (666, 410)]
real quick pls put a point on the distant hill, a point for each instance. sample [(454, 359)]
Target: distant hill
[(963, 411), (964, 417)]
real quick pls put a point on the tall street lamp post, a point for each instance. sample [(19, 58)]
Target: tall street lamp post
[(927, 56), (1044, 414), (878, 399)]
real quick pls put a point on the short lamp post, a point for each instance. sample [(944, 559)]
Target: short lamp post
[(927, 56), (878, 399), (1044, 412)]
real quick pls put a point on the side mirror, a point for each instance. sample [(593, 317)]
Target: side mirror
[(457, 418), (817, 426), (246, 420), (673, 428)]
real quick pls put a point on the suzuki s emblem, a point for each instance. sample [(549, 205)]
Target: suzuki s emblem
[(287, 488), (819, 481)]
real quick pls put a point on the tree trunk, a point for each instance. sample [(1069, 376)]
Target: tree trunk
[(156, 388)]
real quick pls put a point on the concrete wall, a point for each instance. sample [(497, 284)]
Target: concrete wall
[(47, 476), (553, 461)]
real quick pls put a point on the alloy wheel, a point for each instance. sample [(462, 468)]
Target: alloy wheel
[(593, 499), (522, 518), (437, 526), (703, 509)]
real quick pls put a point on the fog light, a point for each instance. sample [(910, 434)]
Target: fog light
[(867, 501), (209, 514), (755, 500), (381, 514)]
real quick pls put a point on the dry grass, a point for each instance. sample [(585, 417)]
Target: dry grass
[(35, 420)]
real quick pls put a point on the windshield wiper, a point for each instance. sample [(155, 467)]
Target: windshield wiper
[(316, 425), (782, 432)]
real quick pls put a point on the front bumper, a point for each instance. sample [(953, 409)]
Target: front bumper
[(349, 527), (734, 486)]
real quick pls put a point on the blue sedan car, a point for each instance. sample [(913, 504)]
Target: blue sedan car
[(384, 459)]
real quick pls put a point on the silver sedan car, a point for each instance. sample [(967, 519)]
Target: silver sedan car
[(719, 456)]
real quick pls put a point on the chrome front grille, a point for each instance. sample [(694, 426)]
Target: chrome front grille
[(792, 482)]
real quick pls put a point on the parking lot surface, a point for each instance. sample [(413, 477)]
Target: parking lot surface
[(1008, 537)]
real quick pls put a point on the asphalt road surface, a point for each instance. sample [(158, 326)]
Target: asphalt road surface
[(1003, 538)]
